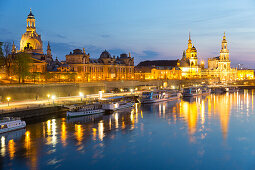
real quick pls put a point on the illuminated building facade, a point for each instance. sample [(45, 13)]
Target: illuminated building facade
[(245, 74), (189, 62), (32, 44), (158, 70), (220, 66), (105, 67), (31, 41)]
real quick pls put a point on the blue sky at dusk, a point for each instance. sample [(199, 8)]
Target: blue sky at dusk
[(149, 29)]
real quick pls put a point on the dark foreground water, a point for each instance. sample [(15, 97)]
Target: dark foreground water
[(210, 132)]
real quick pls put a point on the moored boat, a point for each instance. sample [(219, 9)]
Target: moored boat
[(10, 124), (159, 96), (231, 89), (114, 106), (195, 91), (84, 110)]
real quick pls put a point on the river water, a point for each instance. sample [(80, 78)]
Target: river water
[(207, 132)]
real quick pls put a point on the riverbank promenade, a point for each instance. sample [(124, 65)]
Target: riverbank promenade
[(55, 101)]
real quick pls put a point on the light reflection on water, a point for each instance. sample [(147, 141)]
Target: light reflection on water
[(192, 130)]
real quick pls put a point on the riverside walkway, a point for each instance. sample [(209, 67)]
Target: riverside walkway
[(58, 101)]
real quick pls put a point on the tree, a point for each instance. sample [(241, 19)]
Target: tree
[(1, 55), (34, 76), (71, 77), (21, 65), (5, 57), (47, 76)]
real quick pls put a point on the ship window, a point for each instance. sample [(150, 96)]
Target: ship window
[(3, 126)]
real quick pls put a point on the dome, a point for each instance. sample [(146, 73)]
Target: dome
[(193, 49), (34, 43), (105, 54), (123, 55)]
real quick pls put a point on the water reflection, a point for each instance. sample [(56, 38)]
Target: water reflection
[(197, 117), (63, 132), (79, 133), (11, 148), (101, 130), (2, 146)]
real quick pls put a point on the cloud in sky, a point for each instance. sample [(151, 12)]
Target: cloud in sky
[(147, 28)]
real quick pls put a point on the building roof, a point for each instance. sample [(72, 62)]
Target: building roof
[(105, 54), (30, 15), (156, 63)]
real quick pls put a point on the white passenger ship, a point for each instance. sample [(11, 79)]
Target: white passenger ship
[(112, 104), (195, 91), (84, 110), (10, 124), (159, 96)]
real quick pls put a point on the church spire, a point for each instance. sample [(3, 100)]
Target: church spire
[(190, 43), (13, 48), (224, 42), (48, 49), (31, 22), (224, 52)]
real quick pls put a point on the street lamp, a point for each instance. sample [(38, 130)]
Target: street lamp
[(8, 99), (53, 97), (100, 95), (48, 95), (81, 95)]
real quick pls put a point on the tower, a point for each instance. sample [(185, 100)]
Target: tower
[(189, 43), (224, 53), (31, 22), (191, 53), (48, 49), (224, 62), (30, 41), (13, 48)]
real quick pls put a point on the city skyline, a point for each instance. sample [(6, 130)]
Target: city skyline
[(146, 35)]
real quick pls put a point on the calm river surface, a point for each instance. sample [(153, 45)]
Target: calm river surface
[(209, 132)]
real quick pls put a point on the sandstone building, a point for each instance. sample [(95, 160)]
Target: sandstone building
[(105, 67)]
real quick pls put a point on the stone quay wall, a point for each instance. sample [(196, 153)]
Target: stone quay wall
[(40, 91)]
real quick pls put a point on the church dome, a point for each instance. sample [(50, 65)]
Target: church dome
[(105, 54), (193, 49), (34, 43)]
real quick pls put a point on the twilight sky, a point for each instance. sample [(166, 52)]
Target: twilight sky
[(149, 29)]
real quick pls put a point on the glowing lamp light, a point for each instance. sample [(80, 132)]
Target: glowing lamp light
[(100, 94), (8, 99), (81, 95), (27, 133), (53, 97)]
